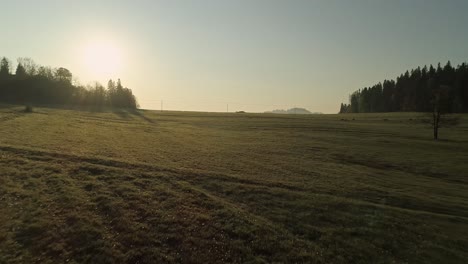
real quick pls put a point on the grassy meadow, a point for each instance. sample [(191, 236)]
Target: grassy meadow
[(186, 187)]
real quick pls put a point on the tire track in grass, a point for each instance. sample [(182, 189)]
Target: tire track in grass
[(187, 187), (184, 193), (110, 206), (189, 175)]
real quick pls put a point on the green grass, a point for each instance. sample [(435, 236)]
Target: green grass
[(152, 187)]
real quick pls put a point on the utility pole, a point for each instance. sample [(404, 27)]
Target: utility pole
[(227, 108), (161, 105)]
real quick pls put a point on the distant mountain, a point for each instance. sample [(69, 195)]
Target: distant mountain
[(296, 111)]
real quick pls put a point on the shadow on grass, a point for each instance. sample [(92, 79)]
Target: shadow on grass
[(129, 113), (141, 115), (122, 113)]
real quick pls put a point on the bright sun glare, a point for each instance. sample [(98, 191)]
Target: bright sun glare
[(103, 58)]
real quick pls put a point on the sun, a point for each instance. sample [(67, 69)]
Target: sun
[(102, 58)]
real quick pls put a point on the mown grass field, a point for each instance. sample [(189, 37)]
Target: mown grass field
[(152, 187)]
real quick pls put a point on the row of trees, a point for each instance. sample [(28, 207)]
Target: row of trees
[(413, 91), (34, 84)]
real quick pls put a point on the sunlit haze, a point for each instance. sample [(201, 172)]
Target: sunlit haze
[(102, 58), (256, 55)]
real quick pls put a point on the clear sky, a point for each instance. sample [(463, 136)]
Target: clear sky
[(256, 55)]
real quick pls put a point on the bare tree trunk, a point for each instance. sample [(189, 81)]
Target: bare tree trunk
[(435, 122)]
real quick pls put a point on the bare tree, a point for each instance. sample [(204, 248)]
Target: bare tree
[(440, 106), (29, 66)]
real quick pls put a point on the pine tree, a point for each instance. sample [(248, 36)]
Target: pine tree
[(20, 71), (4, 68)]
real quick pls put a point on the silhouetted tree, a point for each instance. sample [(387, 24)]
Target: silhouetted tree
[(45, 72), (34, 84), (4, 68), (20, 71), (440, 106), (63, 74), (29, 65), (411, 91), (342, 108), (112, 99)]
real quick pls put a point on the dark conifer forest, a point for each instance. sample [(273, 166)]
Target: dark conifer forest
[(412, 91), (32, 84)]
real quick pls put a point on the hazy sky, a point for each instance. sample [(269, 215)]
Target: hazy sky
[(256, 55)]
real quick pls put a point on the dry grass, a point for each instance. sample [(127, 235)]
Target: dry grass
[(150, 187)]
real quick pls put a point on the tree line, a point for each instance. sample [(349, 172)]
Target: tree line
[(31, 83), (413, 91)]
